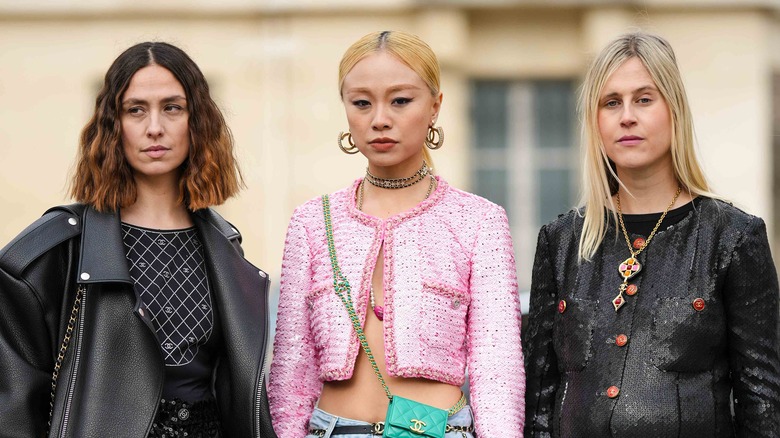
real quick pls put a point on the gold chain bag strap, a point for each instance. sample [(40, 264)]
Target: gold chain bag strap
[(405, 418), (74, 314)]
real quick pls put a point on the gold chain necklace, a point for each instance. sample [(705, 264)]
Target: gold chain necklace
[(361, 191), (398, 183), (631, 266)]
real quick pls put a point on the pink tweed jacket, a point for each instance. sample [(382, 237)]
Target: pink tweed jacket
[(451, 305)]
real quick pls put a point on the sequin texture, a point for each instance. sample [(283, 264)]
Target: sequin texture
[(451, 304), (705, 323)]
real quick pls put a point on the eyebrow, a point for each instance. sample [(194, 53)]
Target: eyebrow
[(135, 101), (639, 90), (393, 89)]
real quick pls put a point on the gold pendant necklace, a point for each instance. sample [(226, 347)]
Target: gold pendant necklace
[(631, 266)]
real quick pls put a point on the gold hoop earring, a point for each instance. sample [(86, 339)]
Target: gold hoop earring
[(435, 137), (352, 149)]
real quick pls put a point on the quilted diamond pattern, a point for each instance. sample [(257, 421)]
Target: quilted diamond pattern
[(410, 419)]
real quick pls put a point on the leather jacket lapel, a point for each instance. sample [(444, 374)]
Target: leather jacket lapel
[(102, 251), (240, 291)]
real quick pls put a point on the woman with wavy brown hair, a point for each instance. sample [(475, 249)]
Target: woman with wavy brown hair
[(133, 312)]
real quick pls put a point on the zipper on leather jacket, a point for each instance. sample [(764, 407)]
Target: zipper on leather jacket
[(261, 379), (259, 390), (257, 400), (76, 361)]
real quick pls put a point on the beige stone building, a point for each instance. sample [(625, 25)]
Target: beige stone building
[(511, 69)]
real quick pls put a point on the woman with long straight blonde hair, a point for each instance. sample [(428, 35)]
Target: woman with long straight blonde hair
[(654, 308), (396, 286)]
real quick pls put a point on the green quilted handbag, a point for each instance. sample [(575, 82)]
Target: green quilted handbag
[(410, 419), (405, 418)]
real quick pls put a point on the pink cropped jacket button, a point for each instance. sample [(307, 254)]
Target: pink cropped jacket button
[(451, 305)]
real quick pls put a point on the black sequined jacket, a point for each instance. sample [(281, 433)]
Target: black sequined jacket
[(112, 376), (702, 323)]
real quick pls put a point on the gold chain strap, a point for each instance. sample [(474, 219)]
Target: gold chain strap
[(344, 291), (74, 314)]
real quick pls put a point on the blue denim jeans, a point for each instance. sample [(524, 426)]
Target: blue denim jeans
[(325, 421)]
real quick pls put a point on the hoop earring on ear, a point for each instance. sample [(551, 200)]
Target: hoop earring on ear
[(352, 149), (435, 137)]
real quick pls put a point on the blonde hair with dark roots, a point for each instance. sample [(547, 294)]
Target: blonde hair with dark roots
[(408, 48), (600, 181), (103, 178)]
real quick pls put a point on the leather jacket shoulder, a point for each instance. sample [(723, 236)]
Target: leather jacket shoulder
[(57, 225)]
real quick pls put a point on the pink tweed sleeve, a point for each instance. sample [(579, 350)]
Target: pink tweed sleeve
[(495, 366), (293, 386)]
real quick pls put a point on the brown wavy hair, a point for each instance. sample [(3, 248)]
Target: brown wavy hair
[(104, 179)]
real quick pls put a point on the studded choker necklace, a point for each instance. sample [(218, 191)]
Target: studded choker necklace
[(398, 183), (393, 184), (631, 266)]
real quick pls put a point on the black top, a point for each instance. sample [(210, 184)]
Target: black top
[(168, 270), (643, 224)]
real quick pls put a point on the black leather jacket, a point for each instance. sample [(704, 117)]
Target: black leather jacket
[(112, 376), (703, 323)]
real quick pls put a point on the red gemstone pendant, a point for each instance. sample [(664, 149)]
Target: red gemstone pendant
[(618, 301)]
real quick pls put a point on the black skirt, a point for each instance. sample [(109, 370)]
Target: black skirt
[(177, 419)]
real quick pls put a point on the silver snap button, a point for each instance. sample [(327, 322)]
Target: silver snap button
[(85, 276), (455, 303), (183, 414), (73, 221), (141, 311), (262, 274)]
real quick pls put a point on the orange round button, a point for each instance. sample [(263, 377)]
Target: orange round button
[(632, 289), (613, 391), (561, 306), (698, 304), (638, 242), (621, 340)]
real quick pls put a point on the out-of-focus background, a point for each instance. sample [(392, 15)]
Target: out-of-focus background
[(511, 70)]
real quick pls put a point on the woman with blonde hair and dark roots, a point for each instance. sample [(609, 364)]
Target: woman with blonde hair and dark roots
[(133, 313), (396, 286), (654, 308)]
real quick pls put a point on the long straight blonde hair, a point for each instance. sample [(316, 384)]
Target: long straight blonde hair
[(408, 48), (600, 181)]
